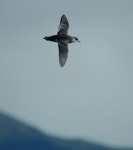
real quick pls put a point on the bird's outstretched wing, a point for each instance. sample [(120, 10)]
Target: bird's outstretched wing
[(63, 26), (63, 53)]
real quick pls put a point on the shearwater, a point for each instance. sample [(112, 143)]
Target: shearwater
[(62, 38)]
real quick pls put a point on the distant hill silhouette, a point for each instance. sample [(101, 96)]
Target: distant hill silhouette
[(15, 135)]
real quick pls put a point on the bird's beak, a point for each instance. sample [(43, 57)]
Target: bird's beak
[(78, 41)]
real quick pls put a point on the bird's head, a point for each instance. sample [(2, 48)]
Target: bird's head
[(75, 39)]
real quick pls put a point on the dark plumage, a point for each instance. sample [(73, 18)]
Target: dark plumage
[(63, 39)]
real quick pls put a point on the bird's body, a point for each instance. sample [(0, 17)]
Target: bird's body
[(62, 38)]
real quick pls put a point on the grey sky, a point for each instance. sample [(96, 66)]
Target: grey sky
[(92, 96)]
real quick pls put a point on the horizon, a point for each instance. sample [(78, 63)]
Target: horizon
[(50, 135), (91, 97)]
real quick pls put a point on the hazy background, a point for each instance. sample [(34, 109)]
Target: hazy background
[(92, 95)]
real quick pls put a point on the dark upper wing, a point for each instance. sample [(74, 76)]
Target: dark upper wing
[(63, 53), (63, 26)]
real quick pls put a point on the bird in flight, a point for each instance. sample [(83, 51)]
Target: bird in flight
[(62, 38)]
